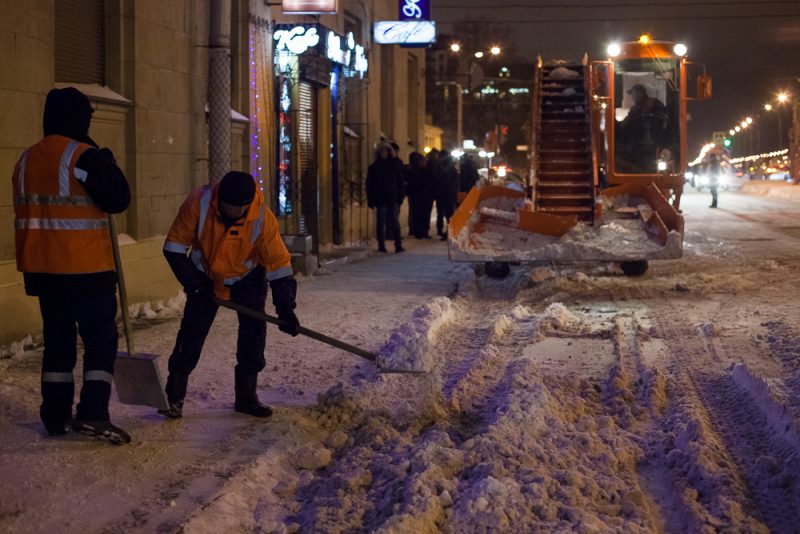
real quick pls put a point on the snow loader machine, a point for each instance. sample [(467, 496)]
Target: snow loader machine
[(607, 163)]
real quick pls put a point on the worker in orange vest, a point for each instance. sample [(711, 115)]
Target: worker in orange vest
[(225, 243), (64, 187)]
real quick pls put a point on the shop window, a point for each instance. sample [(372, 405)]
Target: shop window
[(79, 41)]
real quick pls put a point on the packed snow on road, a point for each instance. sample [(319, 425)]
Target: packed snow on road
[(561, 398)]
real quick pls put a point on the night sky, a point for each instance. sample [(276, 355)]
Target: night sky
[(751, 48)]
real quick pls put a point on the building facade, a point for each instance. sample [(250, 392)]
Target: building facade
[(304, 123)]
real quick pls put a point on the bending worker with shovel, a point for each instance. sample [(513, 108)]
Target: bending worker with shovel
[(225, 243)]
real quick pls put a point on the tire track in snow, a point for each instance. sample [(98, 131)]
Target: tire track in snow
[(733, 434), (635, 395), (470, 383)]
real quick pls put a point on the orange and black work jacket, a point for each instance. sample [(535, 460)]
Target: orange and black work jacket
[(61, 228), (227, 254)]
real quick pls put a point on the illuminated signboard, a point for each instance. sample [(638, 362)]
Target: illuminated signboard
[(405, 32), (414, 9), (291, 41), (308, 7), (297, 39)]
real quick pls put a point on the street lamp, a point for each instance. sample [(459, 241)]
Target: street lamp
[(478, 54), (495, 50), (455, 47), (767, 107)]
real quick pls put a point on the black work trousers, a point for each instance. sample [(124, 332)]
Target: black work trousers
[(64, 317), (198, 316), (388, 225)]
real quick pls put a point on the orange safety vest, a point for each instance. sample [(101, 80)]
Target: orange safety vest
[(59, 229), (227, 255)]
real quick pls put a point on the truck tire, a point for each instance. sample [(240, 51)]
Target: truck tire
[(634, 268), (497, 269)]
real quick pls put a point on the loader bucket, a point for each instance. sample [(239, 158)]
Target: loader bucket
[(663, 219), (540, 223)]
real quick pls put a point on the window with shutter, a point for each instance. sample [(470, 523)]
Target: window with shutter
[(79, 41)]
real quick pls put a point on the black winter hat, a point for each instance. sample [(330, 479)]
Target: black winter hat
[(237, 188), (67, 112)]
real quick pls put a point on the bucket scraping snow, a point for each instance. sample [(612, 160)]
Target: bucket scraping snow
[(635, 222)]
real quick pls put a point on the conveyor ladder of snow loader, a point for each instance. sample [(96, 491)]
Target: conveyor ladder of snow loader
[(564, 183)]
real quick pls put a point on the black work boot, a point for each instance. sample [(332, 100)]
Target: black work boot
[(102, 430), (176, 391), (246, 397)]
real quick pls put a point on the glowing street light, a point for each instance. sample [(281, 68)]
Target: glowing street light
[(455, 47), (732, 131), (738, 129), (495, 50), (767, 107), (783, 97), (749, 120), (479, 54)]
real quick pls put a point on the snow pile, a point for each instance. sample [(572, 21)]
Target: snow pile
[(408, 346), (18, 348), (562, 73), (558, 317), (158, 310)]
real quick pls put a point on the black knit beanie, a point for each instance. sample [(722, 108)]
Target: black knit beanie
[(237, 188)]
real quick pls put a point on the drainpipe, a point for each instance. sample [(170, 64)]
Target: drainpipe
[(219, 90)]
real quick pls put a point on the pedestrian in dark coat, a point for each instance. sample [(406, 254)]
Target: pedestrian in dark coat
[(64, 188), (468, 173), (404, 186), (385, 193), (420, 196), (446, 182)]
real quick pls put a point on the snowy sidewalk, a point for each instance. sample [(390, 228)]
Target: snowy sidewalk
[(72, 484)]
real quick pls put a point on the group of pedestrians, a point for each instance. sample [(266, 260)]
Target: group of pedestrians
[(424, 181)]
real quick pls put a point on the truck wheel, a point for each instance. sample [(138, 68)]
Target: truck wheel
[(497, 269), (634, 268)]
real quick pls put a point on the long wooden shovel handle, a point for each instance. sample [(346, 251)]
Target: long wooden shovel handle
[(250, 312), (123, 293)]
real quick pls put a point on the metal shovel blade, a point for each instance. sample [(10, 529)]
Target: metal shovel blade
[(138, 381)]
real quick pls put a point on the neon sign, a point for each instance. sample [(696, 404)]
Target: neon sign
[(292, 41), (296, 40)]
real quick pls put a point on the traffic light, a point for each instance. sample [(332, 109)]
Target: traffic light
[(727, 142)]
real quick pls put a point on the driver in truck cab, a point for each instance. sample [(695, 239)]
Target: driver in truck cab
[(643, 128)]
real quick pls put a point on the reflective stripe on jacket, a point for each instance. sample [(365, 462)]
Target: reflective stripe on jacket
[(59, 229), (227, 255)]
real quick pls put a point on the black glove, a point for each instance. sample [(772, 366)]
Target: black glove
[(292, 323)]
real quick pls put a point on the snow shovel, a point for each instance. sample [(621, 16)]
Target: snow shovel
[(256, 314), (136, 376)]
